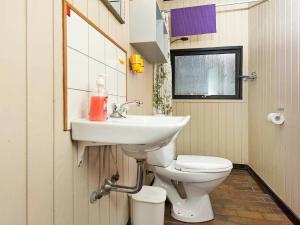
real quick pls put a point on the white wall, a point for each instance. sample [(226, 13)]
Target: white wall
[(40, 181), (274, 151)]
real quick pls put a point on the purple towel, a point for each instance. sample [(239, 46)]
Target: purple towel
[(193, 20)]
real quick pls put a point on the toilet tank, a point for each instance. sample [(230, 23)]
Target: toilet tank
[(162, 157)]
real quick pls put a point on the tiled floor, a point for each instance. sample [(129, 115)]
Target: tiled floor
[(240, 201)]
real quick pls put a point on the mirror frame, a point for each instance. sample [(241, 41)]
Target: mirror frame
[(113, 11)]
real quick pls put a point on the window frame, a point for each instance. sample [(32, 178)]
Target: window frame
[(237, 50)]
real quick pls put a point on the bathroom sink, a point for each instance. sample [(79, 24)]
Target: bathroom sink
[(131, 130), (135, 134)]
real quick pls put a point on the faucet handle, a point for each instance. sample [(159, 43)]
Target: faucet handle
[(116, 111), (120, 110), (115, 106)]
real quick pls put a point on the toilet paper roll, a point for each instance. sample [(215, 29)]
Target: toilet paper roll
[(276, 118)]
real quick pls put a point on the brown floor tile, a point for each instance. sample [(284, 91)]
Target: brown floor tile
[(249, 214), (225, 212), (239, 201)]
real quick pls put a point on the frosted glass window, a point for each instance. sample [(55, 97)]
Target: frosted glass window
[(212, 73)]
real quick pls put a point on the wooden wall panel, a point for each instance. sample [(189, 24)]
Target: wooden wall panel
[(40, 112), (13, 112), (94, 179), (81, 191), (217, 128), (64, 149), (42, 183), (274, 53)]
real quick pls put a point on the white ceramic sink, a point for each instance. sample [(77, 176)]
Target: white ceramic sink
[(135, 134)]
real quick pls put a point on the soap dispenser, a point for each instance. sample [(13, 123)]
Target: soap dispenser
[(98, 103)]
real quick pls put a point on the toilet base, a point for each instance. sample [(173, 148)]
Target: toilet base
[(193, 210), (196, 207)]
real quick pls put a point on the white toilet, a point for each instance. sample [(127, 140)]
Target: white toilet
[(199, 175)]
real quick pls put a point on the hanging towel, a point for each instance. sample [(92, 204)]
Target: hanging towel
[(193, 20)]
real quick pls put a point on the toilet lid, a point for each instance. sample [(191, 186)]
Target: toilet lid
[(192, 163)]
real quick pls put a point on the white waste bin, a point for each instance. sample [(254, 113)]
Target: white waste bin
[(148, 206)]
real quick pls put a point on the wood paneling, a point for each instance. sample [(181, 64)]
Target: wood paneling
[(274, 53), (217, 127), (40, 181), (40, 113), (13, 112)]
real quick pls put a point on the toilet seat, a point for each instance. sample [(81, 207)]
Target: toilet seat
[(189, 177), (202, 164)]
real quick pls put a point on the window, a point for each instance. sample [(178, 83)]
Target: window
[(211, 73)]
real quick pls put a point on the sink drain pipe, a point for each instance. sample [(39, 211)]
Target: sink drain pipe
[(109, 186)]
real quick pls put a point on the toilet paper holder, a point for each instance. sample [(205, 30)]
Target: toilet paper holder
[(278, 117)]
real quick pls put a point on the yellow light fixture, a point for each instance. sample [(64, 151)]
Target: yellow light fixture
[(136, 63), (142, 68)]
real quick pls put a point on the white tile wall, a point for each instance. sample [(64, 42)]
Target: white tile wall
[(77, 33), (78, 72), (95, 69), (77, 104), (111, 58), (89, 55), (96, 45), (111, 81), (121, 84), (121, 56), (121, 100)]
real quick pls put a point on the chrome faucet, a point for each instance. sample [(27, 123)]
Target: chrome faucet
[(119, 111)]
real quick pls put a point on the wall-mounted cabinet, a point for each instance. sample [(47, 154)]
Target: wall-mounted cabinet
[(148, 31)]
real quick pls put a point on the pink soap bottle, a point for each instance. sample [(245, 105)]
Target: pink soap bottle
[(98, 103)]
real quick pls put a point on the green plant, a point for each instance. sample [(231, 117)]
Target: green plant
[(162, 101)]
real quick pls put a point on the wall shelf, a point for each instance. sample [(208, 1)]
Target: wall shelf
[(148, 31)]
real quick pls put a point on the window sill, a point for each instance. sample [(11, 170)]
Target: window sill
[(208, 101)]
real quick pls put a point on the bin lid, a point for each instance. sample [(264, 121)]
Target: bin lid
[(150, 194)]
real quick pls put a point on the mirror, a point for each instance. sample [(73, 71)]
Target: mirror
[(117, 8)]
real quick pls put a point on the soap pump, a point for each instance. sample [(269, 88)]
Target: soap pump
[(98, 103)]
